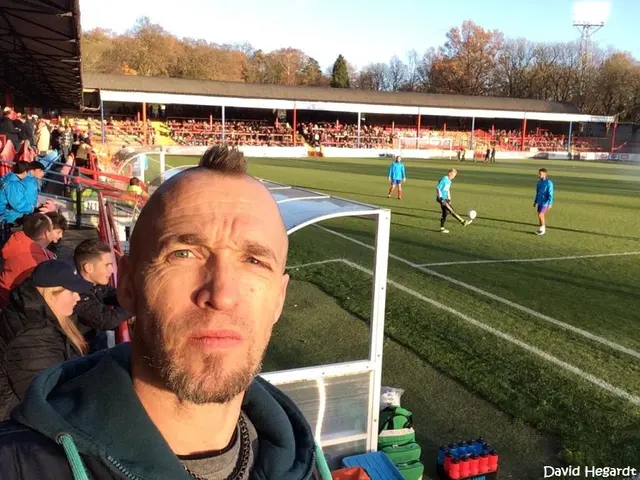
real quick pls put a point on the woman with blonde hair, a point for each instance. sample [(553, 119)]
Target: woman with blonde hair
[(38, 328)]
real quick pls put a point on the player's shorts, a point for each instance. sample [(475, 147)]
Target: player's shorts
[(543, 208), (396, 182)]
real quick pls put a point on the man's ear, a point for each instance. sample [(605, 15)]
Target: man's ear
[(283, 296), (125, 292), (87, 268)]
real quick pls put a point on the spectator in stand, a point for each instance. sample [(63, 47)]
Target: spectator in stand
[(82, 154), (98, 309), (24, 250), (14, 199), (135, 187), (39, 329), (60, 225), (8, 128), (66, 141), (32, 181), (43, 138)]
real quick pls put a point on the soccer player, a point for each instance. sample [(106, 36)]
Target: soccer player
[(443, 191), (397, 176), (543, 200)]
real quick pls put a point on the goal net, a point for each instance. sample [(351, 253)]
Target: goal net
[(425, 143)]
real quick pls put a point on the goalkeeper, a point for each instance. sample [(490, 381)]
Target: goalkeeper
[(443, 192)]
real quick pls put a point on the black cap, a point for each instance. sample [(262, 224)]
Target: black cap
[(56, 273)]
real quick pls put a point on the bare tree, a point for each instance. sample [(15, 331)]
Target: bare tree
[(396, 74)]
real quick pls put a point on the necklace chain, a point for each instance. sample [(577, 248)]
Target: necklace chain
[(243, 455)]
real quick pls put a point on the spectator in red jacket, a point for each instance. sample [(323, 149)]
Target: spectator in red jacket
[(24, 251)]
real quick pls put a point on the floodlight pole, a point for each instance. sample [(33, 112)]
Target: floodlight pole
[(586, 30)]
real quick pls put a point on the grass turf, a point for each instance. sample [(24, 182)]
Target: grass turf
[(596, 212)]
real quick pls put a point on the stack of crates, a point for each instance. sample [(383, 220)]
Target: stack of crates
[(470, 460)]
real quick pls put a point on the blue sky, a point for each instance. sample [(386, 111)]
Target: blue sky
[(362, 30)]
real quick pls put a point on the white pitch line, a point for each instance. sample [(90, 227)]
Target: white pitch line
[(517, 306), (536, 351), (321, 262), (524, 260)]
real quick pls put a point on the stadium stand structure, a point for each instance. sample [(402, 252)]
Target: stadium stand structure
[(266, 115)]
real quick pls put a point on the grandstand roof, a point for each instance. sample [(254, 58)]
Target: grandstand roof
[(318, 94), (40, 50)]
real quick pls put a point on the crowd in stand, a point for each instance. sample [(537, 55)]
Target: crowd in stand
[(203, 133), (337, 134), (52, 311)]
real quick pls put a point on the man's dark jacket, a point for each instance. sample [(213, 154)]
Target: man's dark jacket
[(98, 311), (85, 413)]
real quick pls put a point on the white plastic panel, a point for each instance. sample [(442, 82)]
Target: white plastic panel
[(341, 405)]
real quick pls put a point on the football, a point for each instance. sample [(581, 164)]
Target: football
[(472, 214)]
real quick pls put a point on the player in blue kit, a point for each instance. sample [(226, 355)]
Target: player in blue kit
[(443, 197), (543, 200), (397, 176)]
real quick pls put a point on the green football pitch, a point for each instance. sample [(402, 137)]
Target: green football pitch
[(532, 342)]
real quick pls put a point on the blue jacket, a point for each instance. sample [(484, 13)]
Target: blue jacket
[(544, 193), (88, 405), (32, 186), (397, 171), (14, 199)]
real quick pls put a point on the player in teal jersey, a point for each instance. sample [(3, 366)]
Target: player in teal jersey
[(443, 197), (543, 200), (397, 176)]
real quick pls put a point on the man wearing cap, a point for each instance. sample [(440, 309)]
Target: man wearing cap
[(38, 330)]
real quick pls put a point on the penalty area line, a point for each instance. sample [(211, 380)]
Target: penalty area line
[(497, 298), (526, 260)]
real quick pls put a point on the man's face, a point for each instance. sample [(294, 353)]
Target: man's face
[(38, 173), (99, 270), (542, 175), (452, 175), (208, 291), (54, 235)]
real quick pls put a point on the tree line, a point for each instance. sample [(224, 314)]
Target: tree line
[(471, 61)]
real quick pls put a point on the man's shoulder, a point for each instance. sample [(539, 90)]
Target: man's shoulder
[(16, 439), (26, 453)]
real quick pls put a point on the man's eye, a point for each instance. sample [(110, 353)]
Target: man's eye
[(183, 254), (254, 261)]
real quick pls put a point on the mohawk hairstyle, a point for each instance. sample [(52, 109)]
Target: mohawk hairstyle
[(224, 160)]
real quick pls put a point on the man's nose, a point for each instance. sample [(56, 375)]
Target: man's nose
[(221, 290)]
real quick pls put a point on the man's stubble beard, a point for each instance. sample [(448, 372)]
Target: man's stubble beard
[(210, 384)]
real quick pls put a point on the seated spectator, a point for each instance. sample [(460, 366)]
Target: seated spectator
[(98, 310), (32, 182), (39, 328), (135, 187), (14, 200), (24, 251)]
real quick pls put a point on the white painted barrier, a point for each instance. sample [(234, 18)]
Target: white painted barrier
[(334, 152)]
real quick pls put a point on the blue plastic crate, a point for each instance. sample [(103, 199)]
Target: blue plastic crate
[(377, 465)]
